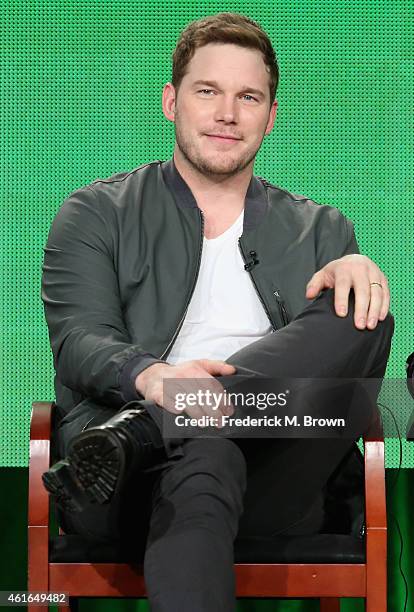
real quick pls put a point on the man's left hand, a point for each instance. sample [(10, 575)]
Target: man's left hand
[(372, 296)]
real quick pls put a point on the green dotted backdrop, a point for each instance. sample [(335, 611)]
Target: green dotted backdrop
[(80, 96)]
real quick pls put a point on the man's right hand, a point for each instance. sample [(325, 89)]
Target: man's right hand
[(199, 375)]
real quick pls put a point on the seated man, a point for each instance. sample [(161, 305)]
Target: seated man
[(195, 268)]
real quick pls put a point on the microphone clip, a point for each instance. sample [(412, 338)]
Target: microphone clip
[(253, 262)]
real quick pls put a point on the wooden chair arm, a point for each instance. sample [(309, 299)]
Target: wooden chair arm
[(375, 499), (375, 505), (375, 515), (39, 461)]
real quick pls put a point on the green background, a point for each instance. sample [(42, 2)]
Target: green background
[(80, 96)]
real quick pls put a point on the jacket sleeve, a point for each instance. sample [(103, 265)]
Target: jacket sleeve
[(335, 237), (351, 247), (92, 349)]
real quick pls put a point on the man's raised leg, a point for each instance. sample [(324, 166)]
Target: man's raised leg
[(286, 477)]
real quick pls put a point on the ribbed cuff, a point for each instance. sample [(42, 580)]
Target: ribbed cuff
[(130, 371)]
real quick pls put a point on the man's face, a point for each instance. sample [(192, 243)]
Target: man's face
[(222, 109)]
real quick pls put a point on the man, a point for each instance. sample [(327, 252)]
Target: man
[(196, 269)]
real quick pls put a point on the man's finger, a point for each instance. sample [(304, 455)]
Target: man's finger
[(315, 285), (375, 305), (385, 299), (216, 367), (342, 287), (362, 292), (213, 394), (211, 416), (195, 412)]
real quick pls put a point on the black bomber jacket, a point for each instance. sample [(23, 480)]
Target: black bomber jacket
[(121, 263)]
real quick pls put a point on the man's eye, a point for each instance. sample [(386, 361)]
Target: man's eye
[(211, 91)]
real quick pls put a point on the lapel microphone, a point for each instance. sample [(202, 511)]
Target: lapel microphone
[(253, 261)]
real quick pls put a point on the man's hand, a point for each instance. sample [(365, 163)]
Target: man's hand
[(372, 296), (199, 375)]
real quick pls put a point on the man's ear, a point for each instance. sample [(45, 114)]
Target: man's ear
[(168, 101), (272, 118)]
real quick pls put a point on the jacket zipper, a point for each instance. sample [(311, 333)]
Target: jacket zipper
[(171, 342), (248, 269), (282, 307)]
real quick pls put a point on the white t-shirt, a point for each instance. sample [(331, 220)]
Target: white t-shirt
[(225, 313)]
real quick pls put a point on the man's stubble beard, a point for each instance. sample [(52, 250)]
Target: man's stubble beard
[(207, 166)]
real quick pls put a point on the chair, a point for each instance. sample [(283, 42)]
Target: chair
[(298, 567)]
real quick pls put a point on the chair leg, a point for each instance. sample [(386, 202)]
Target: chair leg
[(330, 604), (73, 605), (376, 601)]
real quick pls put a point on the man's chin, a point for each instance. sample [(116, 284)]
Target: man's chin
[(222, 168)]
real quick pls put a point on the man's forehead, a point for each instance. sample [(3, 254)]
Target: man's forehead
[(212, 61)]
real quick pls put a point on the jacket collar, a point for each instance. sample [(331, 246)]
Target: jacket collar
[(255, 205)]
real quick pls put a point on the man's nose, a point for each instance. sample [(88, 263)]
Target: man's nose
[(226, 109)]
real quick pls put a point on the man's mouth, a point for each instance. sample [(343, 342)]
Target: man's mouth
[(223, 137)]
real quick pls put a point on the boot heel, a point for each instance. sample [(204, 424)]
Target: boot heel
[(59, 482)]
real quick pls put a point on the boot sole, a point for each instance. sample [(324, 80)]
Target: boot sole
[(93, 471)]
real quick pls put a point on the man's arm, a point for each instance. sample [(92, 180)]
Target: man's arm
[(92, 350)]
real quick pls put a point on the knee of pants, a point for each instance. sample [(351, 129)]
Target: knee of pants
[(380, 337), (384, 328), (215, 467)]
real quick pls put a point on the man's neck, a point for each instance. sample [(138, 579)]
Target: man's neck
[(215, 195)]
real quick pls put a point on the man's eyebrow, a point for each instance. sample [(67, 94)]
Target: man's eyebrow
[(243, 89)]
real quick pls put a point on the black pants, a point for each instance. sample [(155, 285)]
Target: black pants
[(186, 513)]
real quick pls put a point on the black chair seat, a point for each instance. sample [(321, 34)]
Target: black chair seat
[(319, 548), (340, 542)]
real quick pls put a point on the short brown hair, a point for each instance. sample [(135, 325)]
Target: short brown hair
[(230, 28)]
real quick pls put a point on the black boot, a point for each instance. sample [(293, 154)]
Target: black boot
[(101, 458)]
